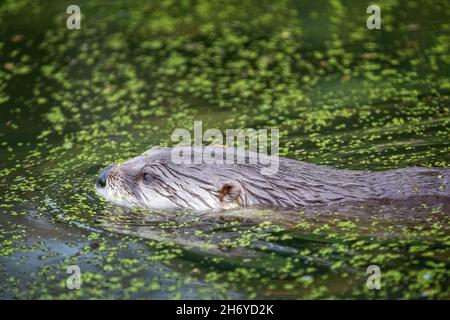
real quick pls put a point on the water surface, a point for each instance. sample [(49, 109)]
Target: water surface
[(72, 102)]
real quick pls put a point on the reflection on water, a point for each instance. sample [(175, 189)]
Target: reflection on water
[(342, 96), (210, 232)]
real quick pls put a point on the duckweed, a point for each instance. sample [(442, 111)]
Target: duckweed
[(342, 95)]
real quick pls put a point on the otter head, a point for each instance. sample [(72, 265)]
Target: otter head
[(152, 180)]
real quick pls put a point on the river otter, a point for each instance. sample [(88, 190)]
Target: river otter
[(153, 180)]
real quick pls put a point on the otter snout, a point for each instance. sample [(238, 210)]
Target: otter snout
[(101, 179)]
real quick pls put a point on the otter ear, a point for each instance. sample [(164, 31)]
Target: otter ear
[(229, 191)]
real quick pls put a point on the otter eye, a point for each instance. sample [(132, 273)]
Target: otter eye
[(147, 178)]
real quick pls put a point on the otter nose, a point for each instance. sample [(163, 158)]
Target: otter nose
[(101, 180)]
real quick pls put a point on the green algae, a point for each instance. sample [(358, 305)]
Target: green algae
[(341, 95)]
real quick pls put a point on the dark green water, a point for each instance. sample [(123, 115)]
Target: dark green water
[(73, 101)]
